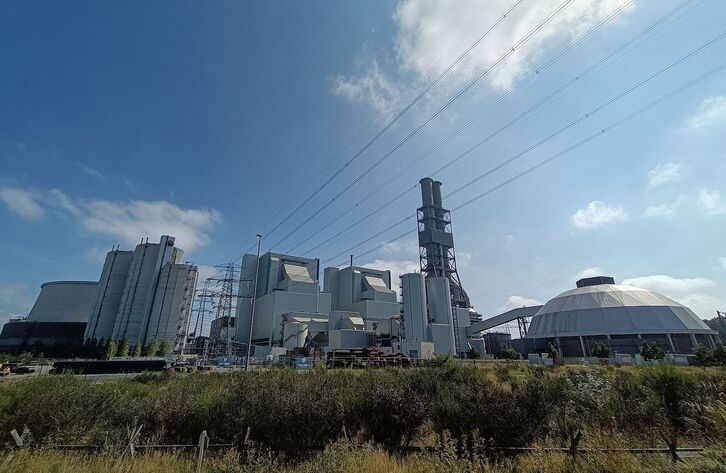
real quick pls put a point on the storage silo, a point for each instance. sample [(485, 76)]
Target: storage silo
[(171, 309), (140, 288), (414, 306), (108, 297)]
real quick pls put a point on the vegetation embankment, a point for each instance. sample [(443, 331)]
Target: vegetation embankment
[(477, 415)]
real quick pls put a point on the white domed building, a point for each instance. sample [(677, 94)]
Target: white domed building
[(623, 317)]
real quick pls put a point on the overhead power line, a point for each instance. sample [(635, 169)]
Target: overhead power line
[(432, 117), (553, 157), (398, 115), (578, 79)]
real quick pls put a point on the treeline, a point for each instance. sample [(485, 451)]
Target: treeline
[(105, 349), (96, 349), (509, 405)]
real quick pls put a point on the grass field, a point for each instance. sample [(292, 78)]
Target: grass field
[(468, 414)]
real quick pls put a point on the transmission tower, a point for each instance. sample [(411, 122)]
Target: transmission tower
[(226, 296)]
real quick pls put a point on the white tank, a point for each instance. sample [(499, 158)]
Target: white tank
[(64, 301), (415, 316)]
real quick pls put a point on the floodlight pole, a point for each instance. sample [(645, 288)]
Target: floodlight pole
[(254, 298)]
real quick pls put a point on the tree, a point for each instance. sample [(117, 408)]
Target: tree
[(552, 350), (600, 350), (136, 350), (123, 348), (152, 347), (719, 354), (652, 351), (718, 323), (110, 350), (163, 347), (704, 355), (509, 353)]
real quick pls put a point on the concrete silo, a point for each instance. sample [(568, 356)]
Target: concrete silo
[(108, 298)]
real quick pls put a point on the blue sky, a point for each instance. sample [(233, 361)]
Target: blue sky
[(122, 120)]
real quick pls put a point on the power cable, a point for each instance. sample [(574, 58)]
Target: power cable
[(438, 112), (580, 143), (579, 78), (398, 115)]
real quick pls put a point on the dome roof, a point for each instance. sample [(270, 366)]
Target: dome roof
[(598, 307)]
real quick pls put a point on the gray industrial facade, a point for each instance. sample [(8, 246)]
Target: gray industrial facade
[(622, 317), (143, 294)]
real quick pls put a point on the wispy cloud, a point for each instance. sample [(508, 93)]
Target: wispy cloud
[(372, 88), (664, 210), (23, 202), (514, 302), (128, 221), (598, 214), (702, 295), (429, 36), (711, 202), (92, 172), (710, 113), (665, 173), (722, 261)]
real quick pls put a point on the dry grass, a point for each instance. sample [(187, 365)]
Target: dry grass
[(366, 459)]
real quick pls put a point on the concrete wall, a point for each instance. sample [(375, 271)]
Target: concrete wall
[(108, 297), (171, 309), (64, 301)]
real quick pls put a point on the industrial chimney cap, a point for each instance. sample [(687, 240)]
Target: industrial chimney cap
[(595, 281)]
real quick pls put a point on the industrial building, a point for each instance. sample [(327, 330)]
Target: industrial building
[(357, 307), (143, 294), (622, 317), (58, 318)]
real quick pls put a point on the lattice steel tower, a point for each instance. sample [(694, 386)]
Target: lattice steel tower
[(436, 241)]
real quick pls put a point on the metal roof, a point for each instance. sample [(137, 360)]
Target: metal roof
[(613, 309)]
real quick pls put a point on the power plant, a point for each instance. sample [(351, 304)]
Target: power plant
[(280, 308), (141, 295)]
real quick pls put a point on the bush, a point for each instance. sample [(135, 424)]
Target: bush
[(600, 350), (652, 351)]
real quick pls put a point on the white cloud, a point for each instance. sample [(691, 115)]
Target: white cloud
[(429, 36), (22, 202), (702, 295), (661, 211), (373, 89), (598, 214), (670, 285), (710, 113), (722, 261), (514, 302), (711, 202), (406, 248), (665, 173), (590, 272), (128, 221), (135, 219), (508, 240)]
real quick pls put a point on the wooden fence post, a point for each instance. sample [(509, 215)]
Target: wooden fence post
[(203, 444)]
